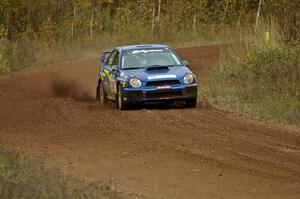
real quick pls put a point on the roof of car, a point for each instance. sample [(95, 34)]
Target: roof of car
[(141, 46)]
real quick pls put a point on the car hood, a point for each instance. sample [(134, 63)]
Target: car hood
[(173, 72)]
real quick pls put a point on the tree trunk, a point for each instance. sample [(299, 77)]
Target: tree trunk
[(153, 21), (8, 25), (195, 23), (92, 22), (159, 7), (28, 22), (74, 20), (225, 11), (158, 18), (258, 15)]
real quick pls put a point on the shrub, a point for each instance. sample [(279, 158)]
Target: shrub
[(24, 178), (262, 80)]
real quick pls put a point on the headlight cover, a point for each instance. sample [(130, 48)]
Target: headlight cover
[(188, 79), (135, 82)]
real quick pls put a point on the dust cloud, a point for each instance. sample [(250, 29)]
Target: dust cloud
[(67, 87)]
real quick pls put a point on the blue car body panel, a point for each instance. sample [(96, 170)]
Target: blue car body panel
[(157, 85)]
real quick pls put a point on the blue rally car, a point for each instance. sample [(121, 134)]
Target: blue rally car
[(145, 74)]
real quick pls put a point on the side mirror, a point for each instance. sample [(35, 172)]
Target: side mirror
[(104, 56), (186, 63), (114, 67)]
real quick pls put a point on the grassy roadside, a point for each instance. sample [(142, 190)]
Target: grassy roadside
[(259, 80), (22, 54), (25, 178)]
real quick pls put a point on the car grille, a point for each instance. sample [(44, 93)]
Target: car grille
[(167, 94), (163, 83)]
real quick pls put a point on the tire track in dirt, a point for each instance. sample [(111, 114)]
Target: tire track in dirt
[(162, 152)]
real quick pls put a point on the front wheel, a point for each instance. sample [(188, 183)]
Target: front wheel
[(100, 94), (191, 103), (120, 100)]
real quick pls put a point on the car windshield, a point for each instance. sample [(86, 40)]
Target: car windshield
[(135, 59)]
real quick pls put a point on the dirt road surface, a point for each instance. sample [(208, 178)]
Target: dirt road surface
[(171, 153)]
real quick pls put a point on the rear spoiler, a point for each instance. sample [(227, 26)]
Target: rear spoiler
[(104, 55)]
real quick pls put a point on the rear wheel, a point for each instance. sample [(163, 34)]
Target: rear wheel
[(191, 103), (120, 100)]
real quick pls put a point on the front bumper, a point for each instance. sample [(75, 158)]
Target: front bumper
[(155, 94)]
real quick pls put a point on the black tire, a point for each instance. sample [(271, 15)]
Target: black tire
[(191, 103), (100, 94), (97, 93), (120, 101)]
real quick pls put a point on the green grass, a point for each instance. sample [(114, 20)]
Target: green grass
[(29, 179), (260, 80)]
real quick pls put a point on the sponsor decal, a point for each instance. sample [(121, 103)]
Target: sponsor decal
[(161, 76), (147, 51)]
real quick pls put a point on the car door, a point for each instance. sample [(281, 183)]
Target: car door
[(106, 73), (114, 67)]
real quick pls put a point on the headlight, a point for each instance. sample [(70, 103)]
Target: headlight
[(135, 82), (188, 79)]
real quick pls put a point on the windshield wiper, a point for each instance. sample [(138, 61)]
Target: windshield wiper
[(132, 68), (154, 66), (161, 66), (172, 65)]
